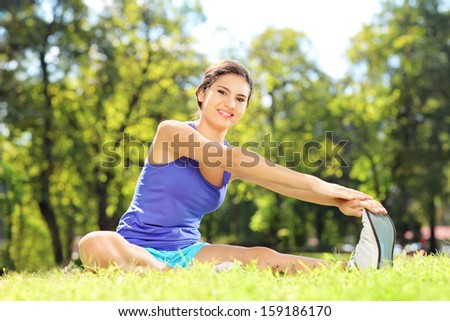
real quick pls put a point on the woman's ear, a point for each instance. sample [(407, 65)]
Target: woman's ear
[(201, 95)]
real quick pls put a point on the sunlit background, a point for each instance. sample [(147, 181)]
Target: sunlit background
[(354, 92)]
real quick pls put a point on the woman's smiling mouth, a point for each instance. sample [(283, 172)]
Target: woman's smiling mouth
[(224, 113)]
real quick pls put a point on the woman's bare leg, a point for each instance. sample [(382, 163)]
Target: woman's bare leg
[(263, 256), (102, 249)]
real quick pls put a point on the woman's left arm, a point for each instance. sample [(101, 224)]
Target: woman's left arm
[(347, 207)]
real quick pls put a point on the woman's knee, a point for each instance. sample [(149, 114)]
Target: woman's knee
[(93, 239), (263, 254), (106, 248), (95, 247), (268, 258)]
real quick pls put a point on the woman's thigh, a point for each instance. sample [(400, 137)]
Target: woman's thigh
[(106, 248)]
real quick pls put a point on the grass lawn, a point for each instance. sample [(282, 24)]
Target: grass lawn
[(411, 279)]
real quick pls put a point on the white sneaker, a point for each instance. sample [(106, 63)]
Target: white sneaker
[(224, 267), (375, 248)]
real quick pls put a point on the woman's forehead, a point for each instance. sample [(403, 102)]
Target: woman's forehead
[(234, 83)]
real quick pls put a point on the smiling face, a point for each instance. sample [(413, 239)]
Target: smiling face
[(224, 102)]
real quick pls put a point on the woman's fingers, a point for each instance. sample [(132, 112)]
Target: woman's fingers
[(355, 201), (349, 208), (356, 206), (374, 206), (356, 212), (349, 194)]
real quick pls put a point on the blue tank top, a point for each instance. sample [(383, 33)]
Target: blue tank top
[(169, 203)]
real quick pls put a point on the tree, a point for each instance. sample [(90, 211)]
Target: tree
[(406, 51), (84, 92), (139, 71), (33, 37), (294, 98)]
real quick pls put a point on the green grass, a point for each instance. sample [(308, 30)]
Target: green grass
[(412, 278)]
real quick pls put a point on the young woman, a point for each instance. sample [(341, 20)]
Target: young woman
[(186, 175)]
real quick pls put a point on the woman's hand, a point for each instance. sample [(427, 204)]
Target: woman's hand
[(349, 201), (355, 207), (339, 192)]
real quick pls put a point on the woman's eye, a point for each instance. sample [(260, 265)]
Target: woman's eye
[(222, 92), (241, 100)]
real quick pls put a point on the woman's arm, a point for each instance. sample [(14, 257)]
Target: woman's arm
[(179, 139), (348, 207), (300, 194)]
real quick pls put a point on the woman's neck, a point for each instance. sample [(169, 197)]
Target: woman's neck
[(209, 131)]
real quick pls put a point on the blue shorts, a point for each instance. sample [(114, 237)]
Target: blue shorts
[(178, 258)]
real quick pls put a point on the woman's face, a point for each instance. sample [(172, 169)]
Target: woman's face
[(225, 101)]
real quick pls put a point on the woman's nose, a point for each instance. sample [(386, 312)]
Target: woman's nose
[(230, 102)]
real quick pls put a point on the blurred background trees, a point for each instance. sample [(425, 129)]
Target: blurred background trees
[(81, 94)]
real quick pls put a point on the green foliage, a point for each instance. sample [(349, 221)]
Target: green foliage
[(406, 55), (88, 94), (81, 94), (291, 113)]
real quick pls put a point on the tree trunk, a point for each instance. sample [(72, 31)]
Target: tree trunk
[(7, 262), (48, 165), (101, 192), (432, 216), (49, 217)]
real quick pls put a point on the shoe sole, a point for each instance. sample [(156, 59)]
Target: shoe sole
[(384, 231)]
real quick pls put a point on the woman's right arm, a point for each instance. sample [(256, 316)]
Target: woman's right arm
[(174, 139)]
